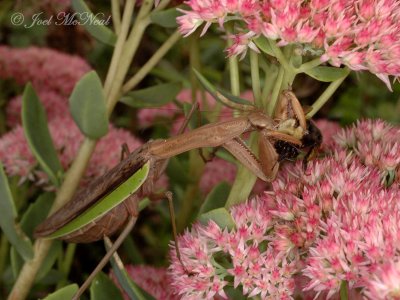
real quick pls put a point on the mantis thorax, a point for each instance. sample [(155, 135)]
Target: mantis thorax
[(260, 120)]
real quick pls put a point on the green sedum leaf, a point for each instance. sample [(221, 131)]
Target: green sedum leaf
[(92, 24), (221, 216), (8, 224), (216, 198), (128, 285), (38, 136), (88, 106), (165, 18), (224, 97), (111, 200), (36, 213), (263, 44), (102, 288), (64, 293), (154, 96), (327, 74)]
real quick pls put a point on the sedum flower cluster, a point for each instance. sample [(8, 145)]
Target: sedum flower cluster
[(336, 221), (361, 34)]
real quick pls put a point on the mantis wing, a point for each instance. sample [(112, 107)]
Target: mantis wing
[(97, 190), (100, 208)]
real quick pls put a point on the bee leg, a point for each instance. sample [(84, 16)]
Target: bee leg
[(310, 153)]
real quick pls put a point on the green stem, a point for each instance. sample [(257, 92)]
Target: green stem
[(233, 65), (344, 290), (119, 46), (271, 73), (129, 51), (116, 16), (309, 65), (276, 91), (280, 56), (255, 78), (290, 72), (163, 4), (152, 62), (66, 264), (194, 60), (325, 96)]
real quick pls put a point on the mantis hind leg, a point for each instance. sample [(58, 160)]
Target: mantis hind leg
[(168, 195), (124, 151), (106, 258)]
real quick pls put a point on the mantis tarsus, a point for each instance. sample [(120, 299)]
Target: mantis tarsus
[(288, 125)]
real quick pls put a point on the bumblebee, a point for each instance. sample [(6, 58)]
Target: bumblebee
[(311, 140)]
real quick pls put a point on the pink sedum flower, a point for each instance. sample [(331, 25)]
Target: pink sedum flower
[(339, 218), (19, 161), (55, 105), (215, 258), (45, 68), (216, 171), (376, 142), (362, 35), (385, 282), (328, 129)]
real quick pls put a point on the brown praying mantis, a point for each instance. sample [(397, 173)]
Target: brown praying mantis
[(111, 201), (288, 125)]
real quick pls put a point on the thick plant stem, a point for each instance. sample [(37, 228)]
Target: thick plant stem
[(116, 16), (309, 65), (325, 96), (255, 78), (275, 92), (41, 247), (163, 4), (65, 265), (128, 11), (233, 66), (127, 55)]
